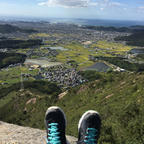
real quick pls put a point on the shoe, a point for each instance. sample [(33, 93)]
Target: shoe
[(89, 128), (55, 122)]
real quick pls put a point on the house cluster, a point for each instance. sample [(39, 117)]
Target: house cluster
[(10, 66), (3, 50), (14, 65), (66, 33), (39, 53), (63, 76)]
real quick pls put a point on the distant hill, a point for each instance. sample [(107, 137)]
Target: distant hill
[(130, 29), (109, 28), (18, 44), (12, 29), (135, 39), (7, 59)]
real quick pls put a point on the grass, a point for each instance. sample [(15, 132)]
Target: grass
[(118, 97), (112, 47), (24, 51), (37, 35), (80, 54), (75, 52), (44, 92), (12, 75)]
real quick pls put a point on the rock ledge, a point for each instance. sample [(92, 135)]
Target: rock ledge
[(13, 134)]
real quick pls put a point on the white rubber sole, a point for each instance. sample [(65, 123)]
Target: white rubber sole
[(54, 108), (83, 116)]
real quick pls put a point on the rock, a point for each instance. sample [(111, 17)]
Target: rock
[(60, 96), (33, 101), (13, 134)]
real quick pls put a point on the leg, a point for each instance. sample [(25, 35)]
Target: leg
[(89, 128)]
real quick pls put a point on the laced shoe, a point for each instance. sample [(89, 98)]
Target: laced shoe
[(89, 128), (55, 123)]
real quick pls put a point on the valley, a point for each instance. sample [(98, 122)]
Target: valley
[(77, 68)]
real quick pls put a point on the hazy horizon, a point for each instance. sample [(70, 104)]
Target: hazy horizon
[(78, 21), (74, 9)]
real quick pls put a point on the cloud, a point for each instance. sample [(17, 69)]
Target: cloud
[(108, 4), (140, 9), (116, 4), (66, 3), (80, 3), (101, 9)]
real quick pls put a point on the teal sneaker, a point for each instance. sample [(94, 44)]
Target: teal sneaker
[(55, 123), (89, 128)]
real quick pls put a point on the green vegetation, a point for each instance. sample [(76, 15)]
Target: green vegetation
[(16, 44), (136, 39), (110, 48), (91, 75), (78, 53), (39, 35), (27, 107), (12, 29), (11, 58), (118, 97), (115, 29), (140, 57), (12, 75), (75, 52), (123, 63)]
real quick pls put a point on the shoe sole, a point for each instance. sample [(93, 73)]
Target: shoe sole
[(84, 115), (55, 108)]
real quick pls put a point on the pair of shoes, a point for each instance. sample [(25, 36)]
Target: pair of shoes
[(88, 127)]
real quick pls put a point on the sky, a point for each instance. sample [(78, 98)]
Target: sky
[(85, 9)]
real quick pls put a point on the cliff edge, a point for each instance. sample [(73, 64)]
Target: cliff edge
[(13, 134)]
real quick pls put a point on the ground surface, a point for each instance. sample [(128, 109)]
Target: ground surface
[(13, 134)]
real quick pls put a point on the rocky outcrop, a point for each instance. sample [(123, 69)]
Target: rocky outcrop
[(13, 134)]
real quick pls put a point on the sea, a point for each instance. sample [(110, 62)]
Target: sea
[(99, 22), (91, 22)]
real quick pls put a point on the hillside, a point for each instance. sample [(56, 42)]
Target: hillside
[(6, 28), (135, 39), (7, 59), (118, 97), (19, 44), (27, 107)]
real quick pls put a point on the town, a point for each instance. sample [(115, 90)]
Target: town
[(59, 51)]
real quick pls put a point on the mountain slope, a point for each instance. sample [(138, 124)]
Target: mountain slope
[(118, 97), (27, 107)]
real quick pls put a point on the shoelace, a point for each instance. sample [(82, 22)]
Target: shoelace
[(90, 136), (53, 135)]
